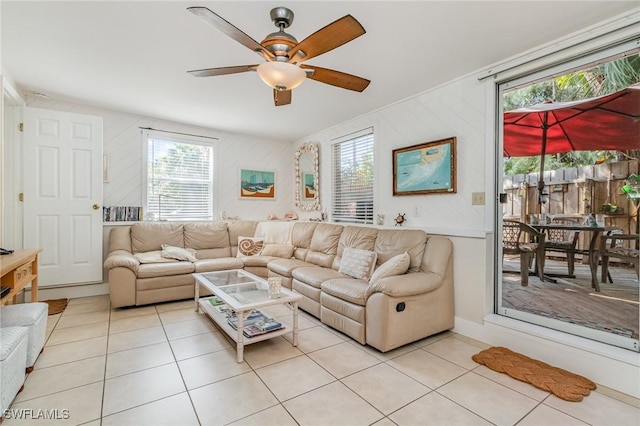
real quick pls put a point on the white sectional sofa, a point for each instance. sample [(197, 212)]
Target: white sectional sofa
[(382, 287)]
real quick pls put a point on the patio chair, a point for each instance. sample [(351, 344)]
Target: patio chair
[(563, 241), (612, 245), (518, 238)]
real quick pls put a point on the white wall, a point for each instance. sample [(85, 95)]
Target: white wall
[(456, 109), (123, 144)]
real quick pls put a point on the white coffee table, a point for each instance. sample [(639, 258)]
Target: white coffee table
[(242, 292)]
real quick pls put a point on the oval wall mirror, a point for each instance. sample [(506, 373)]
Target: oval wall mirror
[(307, 177)]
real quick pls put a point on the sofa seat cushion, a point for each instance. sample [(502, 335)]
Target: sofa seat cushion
[(349, 289), (285, 267), (220, 264), (154, 256), (258, 260), (314, 276), (149, 270)]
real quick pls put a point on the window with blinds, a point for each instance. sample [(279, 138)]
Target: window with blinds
[(179, 180), (353, 179)]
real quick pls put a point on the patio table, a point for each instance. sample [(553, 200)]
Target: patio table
[(592, 252)]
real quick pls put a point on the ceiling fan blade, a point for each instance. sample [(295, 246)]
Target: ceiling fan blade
[(211, 72), (281, 97), (328, 38), (337, 78), (229, 29)]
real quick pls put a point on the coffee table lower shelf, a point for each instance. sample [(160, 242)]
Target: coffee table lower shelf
[(236, 335)]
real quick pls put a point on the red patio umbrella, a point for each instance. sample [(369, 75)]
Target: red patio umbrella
[(609, 122)]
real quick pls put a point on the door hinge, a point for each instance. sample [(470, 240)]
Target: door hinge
[(21, 127), (21, 196)]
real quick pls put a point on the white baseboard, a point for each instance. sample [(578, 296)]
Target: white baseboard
[(613, 367), (69, 291)]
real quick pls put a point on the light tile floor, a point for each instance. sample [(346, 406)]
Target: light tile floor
[(167, 365)]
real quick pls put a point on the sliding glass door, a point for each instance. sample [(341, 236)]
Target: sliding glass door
[(570, 173)]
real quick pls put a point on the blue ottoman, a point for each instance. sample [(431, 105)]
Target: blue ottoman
[(33, 316)]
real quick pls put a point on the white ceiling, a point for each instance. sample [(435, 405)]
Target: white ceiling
[(133, 56)]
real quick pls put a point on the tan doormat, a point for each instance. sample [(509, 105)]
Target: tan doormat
[(56, 305), (561, 383)]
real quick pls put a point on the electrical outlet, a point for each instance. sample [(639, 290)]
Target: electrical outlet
[(477, 199), (416, 210)]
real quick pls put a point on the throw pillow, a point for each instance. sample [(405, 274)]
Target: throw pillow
[(397, 265), (284, 251), (178, 253), (357, 263), (248, 246), (152, 257)]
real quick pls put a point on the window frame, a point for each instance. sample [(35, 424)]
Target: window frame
[(369, 208), (176, 138)]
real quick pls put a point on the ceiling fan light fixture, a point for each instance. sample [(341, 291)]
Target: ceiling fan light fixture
[(281, 75)]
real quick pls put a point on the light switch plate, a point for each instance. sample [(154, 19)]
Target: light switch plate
[(477, 198)]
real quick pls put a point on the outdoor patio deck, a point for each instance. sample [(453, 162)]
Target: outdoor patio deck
[(614, 309)]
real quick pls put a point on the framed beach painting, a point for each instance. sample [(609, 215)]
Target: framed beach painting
[(427, 168), (257, 184)]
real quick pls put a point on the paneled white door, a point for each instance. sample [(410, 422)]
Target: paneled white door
[(62, 163)]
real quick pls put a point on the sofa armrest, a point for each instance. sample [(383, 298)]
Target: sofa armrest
[(122, 259), (404, 285)]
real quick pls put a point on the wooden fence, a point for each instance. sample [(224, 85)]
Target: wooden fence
[(575, 191)]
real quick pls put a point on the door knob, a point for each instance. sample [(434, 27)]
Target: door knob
[(96, 207)]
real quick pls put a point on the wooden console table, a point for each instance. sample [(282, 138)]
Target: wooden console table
[(19, 269)]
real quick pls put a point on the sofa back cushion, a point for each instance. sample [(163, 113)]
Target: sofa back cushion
[(358, 237), (209, 239), (274, 232), (324, 244), (392, 242), (301, 235), (150, 236), (240, 228)]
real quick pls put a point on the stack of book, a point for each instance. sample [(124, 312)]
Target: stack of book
[(253, 324)]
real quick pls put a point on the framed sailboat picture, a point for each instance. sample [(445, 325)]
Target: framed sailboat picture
[(257, 184)]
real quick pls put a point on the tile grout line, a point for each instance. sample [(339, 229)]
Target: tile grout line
[(106, 360)]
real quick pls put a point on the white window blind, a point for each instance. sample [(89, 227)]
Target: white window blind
[(353, 179), (179, 180)]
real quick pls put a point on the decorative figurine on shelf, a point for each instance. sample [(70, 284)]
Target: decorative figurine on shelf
[(400, 219)]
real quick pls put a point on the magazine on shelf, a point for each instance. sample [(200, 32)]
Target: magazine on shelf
[(261, 328), (255, 323), (253, 317), (215, 301)]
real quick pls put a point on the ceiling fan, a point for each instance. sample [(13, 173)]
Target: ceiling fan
[(283, 69)]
